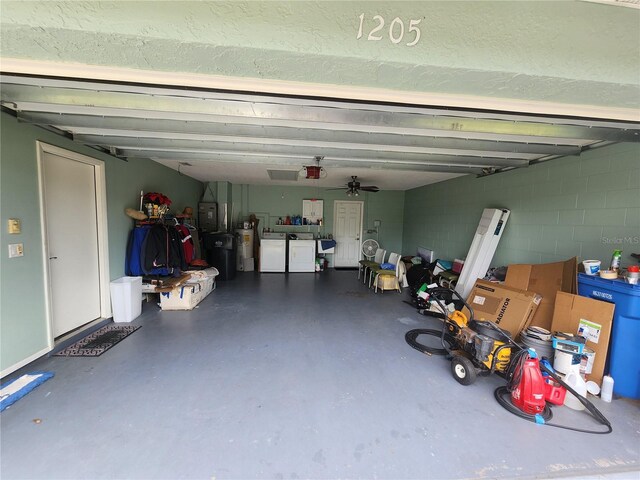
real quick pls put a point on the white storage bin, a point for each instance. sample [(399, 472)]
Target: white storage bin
[(126, 298)]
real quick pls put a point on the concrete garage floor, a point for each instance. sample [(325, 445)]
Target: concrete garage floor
[(290, 376)]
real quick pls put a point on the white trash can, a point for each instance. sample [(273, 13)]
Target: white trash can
[(126, 298)]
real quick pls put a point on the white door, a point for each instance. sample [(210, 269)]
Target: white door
[(71, 223), (347, 231)]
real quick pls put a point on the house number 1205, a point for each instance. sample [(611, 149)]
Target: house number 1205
[(396, 30)]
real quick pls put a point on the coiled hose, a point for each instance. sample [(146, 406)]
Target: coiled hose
[(503, 396), (411, 338)]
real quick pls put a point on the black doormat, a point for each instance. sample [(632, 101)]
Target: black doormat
[(98, 342)]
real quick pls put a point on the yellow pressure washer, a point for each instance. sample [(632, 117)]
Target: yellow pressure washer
[(479, 347), (476, 347)]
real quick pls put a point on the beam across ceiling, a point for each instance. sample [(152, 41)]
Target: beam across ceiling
[(348, 114), (99, 123), (266, 151), (213, 158), (175, 125)]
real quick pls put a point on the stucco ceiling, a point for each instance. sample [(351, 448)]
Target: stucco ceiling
[(227, 90)]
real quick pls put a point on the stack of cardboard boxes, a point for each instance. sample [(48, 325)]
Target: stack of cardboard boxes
[(544, 295)]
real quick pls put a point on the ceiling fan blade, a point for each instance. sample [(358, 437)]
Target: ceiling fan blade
[(338, 188), (370, 188)]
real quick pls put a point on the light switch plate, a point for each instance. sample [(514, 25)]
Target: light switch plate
[(16, 250), (376, 223), (13, 225)]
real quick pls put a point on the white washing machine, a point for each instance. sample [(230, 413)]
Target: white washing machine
[(273, 252), (302, 252)]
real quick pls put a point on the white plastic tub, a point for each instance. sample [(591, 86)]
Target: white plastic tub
[(126, 299), (591, 267)]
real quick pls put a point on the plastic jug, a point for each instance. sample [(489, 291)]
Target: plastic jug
[(575, 381), (607, 389)]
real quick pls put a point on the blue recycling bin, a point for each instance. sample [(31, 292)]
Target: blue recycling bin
[(624, 354)]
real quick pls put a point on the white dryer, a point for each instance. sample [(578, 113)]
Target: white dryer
[(273, 252), (302, 252)]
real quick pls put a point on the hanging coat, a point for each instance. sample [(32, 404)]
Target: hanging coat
[(134, 262), (163, 248), (187, 243)]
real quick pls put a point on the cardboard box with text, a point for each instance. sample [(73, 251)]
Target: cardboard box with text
[(511, 308)]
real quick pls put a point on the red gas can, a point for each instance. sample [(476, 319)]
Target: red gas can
[(554, 392)]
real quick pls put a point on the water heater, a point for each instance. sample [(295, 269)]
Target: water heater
[(244, 256)]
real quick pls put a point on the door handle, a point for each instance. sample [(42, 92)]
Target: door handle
[(53, 258)]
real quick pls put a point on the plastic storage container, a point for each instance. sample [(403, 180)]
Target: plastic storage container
[(126, 298), (624, 353)]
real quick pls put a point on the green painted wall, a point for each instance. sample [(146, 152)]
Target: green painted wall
[(573, 206), (22, 309), (566, 52), (276, 201)]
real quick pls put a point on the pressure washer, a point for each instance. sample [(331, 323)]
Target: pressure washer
[(475, 347), (480, 347)]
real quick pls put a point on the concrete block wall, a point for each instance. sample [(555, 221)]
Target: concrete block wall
[(584, 206)]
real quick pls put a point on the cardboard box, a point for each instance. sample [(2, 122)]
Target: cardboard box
[(511, 308), (546, 279), (590, 318)]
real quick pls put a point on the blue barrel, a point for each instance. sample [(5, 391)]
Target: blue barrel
[(624, 354)]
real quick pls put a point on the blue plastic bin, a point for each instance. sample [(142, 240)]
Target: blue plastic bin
[(624, 356)]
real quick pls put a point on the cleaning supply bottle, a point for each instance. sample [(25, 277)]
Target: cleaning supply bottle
[(615, 260), (606, 393), (575, 381)]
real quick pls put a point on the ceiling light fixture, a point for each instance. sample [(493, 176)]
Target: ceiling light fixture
[(314, 172)]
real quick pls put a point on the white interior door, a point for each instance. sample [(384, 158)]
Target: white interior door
[(71, 224), (347, 232)]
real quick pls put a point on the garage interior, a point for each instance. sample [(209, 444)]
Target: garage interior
[(531, 107)]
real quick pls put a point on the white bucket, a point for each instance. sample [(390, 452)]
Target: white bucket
[(563, 361), (586, 361), (591, 267)]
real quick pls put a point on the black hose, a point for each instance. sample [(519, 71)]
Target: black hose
[(512, 375), (501, 392), (412, 335), (513, 379), (591, 408)]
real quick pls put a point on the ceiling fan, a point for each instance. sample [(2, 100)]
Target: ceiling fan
[(354, 187)]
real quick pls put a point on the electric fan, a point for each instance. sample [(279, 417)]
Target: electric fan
[(369, 248)]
